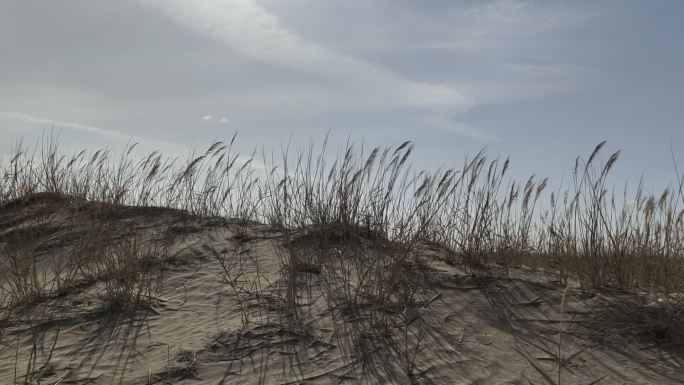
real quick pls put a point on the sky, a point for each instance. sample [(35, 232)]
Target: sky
[(539, 81)]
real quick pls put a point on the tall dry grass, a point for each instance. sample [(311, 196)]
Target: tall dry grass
[(359, 222), (590, 231)]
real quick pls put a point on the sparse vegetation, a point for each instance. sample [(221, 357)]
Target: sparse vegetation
[(358, 227), (587, 233), (131, 271)]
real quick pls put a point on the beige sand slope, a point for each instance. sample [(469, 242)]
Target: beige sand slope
[(226, 314)]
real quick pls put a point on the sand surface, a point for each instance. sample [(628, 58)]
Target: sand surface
[(200, 329)]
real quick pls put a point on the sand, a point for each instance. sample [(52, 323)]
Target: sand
[(232, 323)]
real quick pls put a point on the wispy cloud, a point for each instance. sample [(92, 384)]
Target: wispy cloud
[(113, 137), (251, 30), (60, 124)]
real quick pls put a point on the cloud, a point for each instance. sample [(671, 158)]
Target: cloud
[(207, 117), (251, 30), (110, 137), (225, 120), (55, 123), (492, 51), (277, 64), (113, 137), (460, 128)]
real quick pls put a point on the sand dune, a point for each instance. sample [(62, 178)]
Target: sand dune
[(226, 314)]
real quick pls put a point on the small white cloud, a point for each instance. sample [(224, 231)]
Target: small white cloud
[(207, 117), (225, 120)]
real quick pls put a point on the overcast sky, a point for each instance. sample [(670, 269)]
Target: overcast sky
[(541, 81)]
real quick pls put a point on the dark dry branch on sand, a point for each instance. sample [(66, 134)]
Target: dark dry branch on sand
[(350, 271)]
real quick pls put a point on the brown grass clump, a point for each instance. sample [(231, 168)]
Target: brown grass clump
[(131, 272), (42, 260)]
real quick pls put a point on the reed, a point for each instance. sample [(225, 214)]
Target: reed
[(588, 231)]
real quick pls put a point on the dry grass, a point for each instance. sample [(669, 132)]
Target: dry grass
[(588, 232), (128, 267), (359, 225), (131, 272)]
